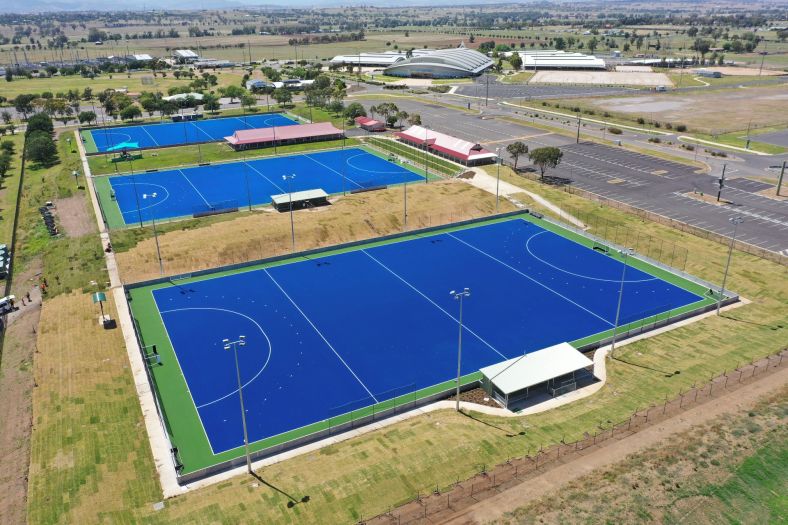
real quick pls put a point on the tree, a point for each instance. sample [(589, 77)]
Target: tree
[(8, 147), (7, 118), (702, 46), (232, 92), (86, 117), (544, 158), (41, 148), (210, 102), (130, 112), (516, 150), (168, 108), (40, 122), (248, 100), (24, 104), (353, 110), (150, 102), (414, 119), (5, 163), (282, 96), (592, 44), (401, 115), (372, 111), (87, 93), (516, 61)]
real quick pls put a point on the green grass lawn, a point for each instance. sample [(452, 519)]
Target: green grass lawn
[(417, 157), (739, 139), (111, 476)]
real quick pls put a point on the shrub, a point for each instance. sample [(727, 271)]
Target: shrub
[(641, 120), (681, 128), (655, 140), (668, 125), (615, 131), (440, 89)]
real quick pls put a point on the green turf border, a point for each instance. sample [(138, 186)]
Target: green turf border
[(114, 217), (88, 142), (180, 414)]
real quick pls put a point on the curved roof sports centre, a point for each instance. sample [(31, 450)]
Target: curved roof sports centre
[(445, 63)]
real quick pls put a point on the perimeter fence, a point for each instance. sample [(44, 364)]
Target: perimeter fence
[(436, 502)]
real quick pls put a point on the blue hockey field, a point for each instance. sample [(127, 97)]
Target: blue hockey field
[(188, 191), (178, 133), (343, 330)]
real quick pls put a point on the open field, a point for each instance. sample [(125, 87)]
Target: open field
[(364, 476), (731, 469), (700, 110), (131, 81), (605, 78)]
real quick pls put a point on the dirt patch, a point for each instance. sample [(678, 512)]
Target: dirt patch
[(74, 218), (772, 194), (635, 69), (762, 106), (708, 199), (16, 384), (609, 78), (477, 396)]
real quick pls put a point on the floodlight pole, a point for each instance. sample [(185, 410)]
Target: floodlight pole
[(459, 297), (289, 178), (405, 212), (498, 178), (577, 140), (736, 221), (136, 195), (234, 345), (158, 249), (625, 253), (426, 167)]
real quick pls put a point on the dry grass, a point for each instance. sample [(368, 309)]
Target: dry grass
[(265, 234)]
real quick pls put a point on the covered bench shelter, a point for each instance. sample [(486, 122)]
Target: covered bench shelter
[(300, 199), (446, 146), (551, 370)]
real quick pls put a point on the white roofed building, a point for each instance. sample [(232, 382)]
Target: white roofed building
[(452, 148), (444, 63), (555, 59)]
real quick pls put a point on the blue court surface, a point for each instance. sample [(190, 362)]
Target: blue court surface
[(184, 192), (177, 133), (338, 332)]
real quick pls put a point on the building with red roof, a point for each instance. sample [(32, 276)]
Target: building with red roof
[(281, 135), (369, 124), (452, 148)]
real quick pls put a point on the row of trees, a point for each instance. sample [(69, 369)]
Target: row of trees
[(39, 145)]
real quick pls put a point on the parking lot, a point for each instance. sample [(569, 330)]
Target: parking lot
[(495, 89)]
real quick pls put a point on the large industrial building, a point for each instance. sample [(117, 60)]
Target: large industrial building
[(385, 59), (555, 59), (445, 63)]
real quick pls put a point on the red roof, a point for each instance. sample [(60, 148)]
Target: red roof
[(440, 142), (368, 122), (279, 133)]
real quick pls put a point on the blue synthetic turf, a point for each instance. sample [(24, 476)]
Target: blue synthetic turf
[(175, 133), (178, 193), (350, 329)]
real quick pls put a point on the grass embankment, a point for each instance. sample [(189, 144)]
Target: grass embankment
[(366, 475), (265, 234), (518, 78), (181, 156), (70, 263), (9, 187), (732, 470)]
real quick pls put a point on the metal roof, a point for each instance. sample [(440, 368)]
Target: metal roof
[(460, 59), (280, 133), (535, 368), (186, 53), (284, 198), (452, 146), (555, 59)]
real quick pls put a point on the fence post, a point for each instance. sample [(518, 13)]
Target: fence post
[(726, 381), (696, 393)]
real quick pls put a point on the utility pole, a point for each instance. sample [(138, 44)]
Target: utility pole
[(721, 182), (780, 180), (577, 141)]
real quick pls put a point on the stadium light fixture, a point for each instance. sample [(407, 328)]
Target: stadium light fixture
[(289, 178), (735, 221), (459, 296), (233, 345), (498, 178), (625, 253)]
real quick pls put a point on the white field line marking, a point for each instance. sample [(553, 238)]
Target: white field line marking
[(202, 130), (528, 249), (270, 349), (530, 279), (145, 129), (332, 169), (195, 188), (392, 272), (263, 176), (308, 320)]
